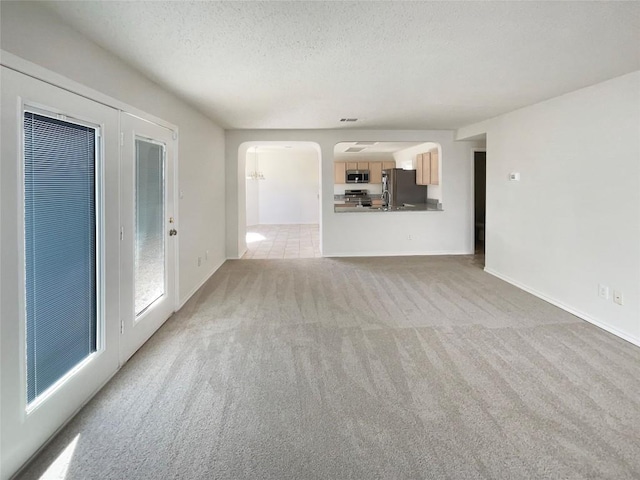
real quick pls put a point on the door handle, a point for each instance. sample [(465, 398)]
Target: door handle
[(173, 232)]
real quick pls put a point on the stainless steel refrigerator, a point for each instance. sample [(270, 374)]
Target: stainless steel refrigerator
[(399, 187)]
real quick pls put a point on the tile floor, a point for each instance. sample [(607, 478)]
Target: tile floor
[(282, 241)]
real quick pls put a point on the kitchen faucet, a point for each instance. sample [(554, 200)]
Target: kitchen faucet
[(386, 198)]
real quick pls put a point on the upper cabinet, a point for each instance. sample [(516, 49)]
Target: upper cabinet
[(388, 165), (428, 168), (339, 172), (375, 170)]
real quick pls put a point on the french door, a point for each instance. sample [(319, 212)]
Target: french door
[(149, 230), (59, 305), (87, 236)]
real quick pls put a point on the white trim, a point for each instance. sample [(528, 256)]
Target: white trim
[(176, 222), (241, 255), (22, 256), (566, 308), (403, 254)]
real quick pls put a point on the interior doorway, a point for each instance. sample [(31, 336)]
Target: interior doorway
[(282, 194), (479, 200)]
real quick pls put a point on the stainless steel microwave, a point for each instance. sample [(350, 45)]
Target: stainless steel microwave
[(357, 176)]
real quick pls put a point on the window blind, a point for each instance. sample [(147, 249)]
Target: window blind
[(60, 248)]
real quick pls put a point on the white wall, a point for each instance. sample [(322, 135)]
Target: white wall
[(379, 233), (573, 220), (289, 192), (407, 159), (52, 44)]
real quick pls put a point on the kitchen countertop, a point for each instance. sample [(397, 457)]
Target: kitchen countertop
[(424, 207)]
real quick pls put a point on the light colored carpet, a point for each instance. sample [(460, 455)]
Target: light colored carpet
[(371, 368)]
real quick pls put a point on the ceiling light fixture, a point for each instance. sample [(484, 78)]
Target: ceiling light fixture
[(255, 174)]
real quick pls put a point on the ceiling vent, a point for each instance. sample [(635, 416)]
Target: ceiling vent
[(354, 149), (348, 119)]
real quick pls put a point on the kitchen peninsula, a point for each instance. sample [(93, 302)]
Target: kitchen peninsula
[(384, 177), (374, 203)]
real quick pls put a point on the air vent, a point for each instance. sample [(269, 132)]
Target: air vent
[(348, 119), (354, 149), (366, 143)]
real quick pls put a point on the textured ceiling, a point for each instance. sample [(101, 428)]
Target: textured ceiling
[(397, 65)]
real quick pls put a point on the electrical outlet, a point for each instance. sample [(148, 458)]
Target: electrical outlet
[(199, 261), (617, 297), (603, 291)]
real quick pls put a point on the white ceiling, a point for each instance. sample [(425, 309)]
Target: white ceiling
[(377, 147), (396, 65), (377, 151)]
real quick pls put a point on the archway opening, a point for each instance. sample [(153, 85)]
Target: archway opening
[(282, 200)]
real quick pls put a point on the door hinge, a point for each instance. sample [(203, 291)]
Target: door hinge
[(122, 139), (121, 233), (121, 327)]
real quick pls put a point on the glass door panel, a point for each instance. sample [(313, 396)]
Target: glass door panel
[(150, 227), (60, 248)]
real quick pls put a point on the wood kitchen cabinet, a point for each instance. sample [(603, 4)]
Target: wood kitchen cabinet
[(435, 168), (376, 168), (375, 172), (340, 172), (388, 165), (428, 168)]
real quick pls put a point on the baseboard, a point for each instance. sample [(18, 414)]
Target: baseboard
[(401, 254), (197, 287), (566, 308), (240, 255)]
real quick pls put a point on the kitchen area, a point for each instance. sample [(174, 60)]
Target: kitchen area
[(374, 177)]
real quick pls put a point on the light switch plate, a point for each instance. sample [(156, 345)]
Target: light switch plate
[(603, 291)]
